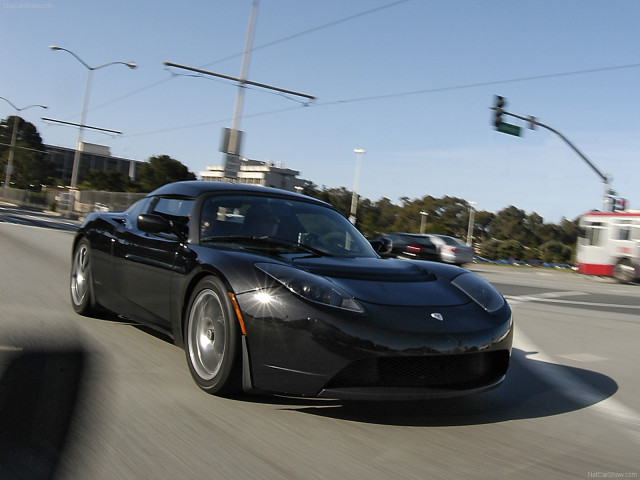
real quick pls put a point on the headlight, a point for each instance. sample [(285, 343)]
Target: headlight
[(480, 291), (311, 287)]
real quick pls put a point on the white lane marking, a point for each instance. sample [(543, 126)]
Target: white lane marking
[(552, 297), (584, 357), (10, 348), (572, 388)]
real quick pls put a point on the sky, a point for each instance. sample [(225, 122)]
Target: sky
[(409, 81)]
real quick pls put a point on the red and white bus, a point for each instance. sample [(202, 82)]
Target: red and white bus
[(609, 245)]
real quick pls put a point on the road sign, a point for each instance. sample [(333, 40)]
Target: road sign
[(509, 128)]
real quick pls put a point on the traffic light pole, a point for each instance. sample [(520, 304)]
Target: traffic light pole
[(533, 123)]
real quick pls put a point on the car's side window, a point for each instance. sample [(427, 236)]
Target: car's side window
[(222, 216), (178, 210), (131, 214)]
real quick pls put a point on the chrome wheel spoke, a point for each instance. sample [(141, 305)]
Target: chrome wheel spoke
[(79, 275), (207, 334)]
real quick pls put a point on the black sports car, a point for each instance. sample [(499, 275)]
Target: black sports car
[(274, 292)]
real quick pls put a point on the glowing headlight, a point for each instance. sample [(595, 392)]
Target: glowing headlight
[(311, 287), (480, 291)]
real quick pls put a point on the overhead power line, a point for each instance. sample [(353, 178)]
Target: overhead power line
[(414, 92), (260, 47), (483, 84), (311, 30)]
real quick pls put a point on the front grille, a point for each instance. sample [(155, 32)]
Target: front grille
[(460, 371)]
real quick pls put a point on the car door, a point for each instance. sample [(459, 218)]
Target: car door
[(147, 262), (104, 238)]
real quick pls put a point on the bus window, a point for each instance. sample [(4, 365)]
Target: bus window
[(593, 234), (624, 231)]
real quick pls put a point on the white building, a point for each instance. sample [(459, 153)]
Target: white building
[(255, 172)]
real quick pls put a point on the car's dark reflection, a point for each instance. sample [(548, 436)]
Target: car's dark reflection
[(532, 390), (526, 393), (42, 391)]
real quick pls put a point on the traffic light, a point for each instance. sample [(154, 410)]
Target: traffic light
[(620, 204), (497, 119)]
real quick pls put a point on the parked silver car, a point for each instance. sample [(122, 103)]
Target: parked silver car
[(452, 250)]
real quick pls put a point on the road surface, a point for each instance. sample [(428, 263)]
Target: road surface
[(570, 407)]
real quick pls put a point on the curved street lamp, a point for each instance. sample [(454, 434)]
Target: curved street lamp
[(76, 157), (14, 138)]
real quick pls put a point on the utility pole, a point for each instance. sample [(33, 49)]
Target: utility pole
[(232, 137)]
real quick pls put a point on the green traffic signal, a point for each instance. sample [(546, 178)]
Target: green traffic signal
[(499, 103)]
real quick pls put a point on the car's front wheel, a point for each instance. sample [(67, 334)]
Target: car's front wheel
[(80, 281), (212, 339)]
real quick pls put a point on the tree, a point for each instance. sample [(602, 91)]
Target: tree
[(482, 221), (31, 168), (555, 251), (161, 170), (511, 249), (510, 233), (109, 180), (490, 248)]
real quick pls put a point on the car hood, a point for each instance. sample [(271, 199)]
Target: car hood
[(390, 281)]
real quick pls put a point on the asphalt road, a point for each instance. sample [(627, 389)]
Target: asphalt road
[(570, 407)]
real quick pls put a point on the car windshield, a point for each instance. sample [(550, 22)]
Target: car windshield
[(285, 224)]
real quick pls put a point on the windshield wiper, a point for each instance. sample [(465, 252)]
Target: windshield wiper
[(267, 240)]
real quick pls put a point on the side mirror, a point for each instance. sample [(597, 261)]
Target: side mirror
[(150, 223), (154, 224), (382, 246)]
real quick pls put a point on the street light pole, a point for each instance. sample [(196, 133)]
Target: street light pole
[(356, 180), (14, 138), (423, 220), (76, 157), (472, 212)]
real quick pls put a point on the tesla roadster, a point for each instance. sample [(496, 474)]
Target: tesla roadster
[(274, 292)]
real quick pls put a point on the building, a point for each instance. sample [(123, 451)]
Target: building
[(255, 172), (93, 158), (98, 158)]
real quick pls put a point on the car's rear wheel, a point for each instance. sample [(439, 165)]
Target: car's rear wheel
[(80, 281), (212, 339)]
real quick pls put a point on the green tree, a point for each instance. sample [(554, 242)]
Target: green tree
[(31, 167), (509, 233), (490, 248), (109, 180), (160, 170), (555, 251), (340, 198), (511, 249), (482, 221)]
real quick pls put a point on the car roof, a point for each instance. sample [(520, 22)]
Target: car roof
[(417, 235), (194, 188), (448, 239)]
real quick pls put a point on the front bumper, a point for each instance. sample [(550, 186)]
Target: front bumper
[(296, 348)]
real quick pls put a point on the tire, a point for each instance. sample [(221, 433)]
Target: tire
[(212, 339), (624, 271), (80, 282)]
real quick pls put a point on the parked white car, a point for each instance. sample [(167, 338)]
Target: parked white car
[(452, 250)]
